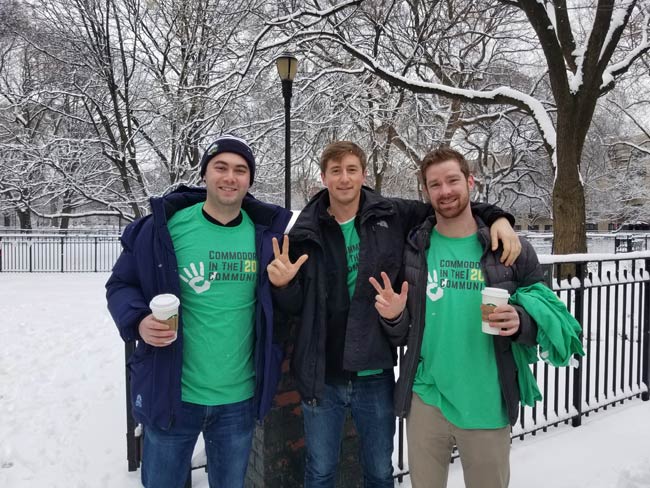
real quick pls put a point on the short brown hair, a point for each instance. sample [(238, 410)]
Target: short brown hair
[(440, 155), (335, 151)]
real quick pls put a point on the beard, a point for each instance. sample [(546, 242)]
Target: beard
[(453, 211)]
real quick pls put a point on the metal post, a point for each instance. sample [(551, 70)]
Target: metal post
[(577, 372), (645, 396), (95, 254), (286, 94), (132, 451), (62, 252)]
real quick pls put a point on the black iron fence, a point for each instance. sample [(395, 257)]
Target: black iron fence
[(111, 230), (89, 250), (597, 242), (610, 297), (631, 243), (49, 253)]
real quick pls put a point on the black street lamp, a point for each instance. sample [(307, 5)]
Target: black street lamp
[(287, 66)]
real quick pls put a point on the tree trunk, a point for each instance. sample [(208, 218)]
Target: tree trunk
[(128, 189), (66, 208), (379, 180), (65, 220), (569, 213), (25, 219)]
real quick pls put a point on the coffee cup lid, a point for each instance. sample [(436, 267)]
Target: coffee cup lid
[(166, 300), (498, 292)]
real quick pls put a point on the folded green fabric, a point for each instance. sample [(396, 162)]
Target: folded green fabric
[(528, 390), (558, 336)]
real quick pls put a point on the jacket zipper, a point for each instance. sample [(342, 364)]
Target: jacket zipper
[(167, 286)]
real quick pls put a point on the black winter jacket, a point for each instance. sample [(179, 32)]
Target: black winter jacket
[(409, 329), (319, 294)]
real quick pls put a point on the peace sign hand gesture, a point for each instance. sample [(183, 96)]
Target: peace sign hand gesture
[(388, 303), (281, 270)]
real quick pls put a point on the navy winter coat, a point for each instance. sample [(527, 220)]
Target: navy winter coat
[(147, 267)]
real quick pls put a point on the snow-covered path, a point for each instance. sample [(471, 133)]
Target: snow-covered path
[(62, 412)]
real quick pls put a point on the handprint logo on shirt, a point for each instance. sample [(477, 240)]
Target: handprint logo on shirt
[(435, 290), (196, 279)]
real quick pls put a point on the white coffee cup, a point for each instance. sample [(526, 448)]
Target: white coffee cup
[(492, 297), (165, 309)]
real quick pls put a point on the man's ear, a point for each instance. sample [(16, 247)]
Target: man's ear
[(470, 182)]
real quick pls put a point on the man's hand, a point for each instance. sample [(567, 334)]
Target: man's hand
[(281, 270), (501, 230), (388, 303), (155, 333), (506, 319)]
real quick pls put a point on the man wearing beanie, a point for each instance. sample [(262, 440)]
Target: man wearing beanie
[(210, 248)]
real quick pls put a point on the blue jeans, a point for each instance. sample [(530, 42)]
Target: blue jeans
[(370, 400), (228, 434)]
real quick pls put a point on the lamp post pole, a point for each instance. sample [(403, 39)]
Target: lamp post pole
[(287, 65), (286, 94)]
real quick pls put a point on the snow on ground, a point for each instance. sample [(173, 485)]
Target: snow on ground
[(62, 412)]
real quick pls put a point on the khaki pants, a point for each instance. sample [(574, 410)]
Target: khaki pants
[(484, 453)]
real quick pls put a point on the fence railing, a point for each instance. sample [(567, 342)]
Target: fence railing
[(610, 297), (597, 242), (105, 230), (58, 253), (88, 250)]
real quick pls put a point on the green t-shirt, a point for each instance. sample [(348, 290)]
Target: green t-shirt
[(217, 267), (352, 245), (457, 371)]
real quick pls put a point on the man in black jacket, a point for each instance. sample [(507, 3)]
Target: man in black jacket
[(457, 384), (341, 358)]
